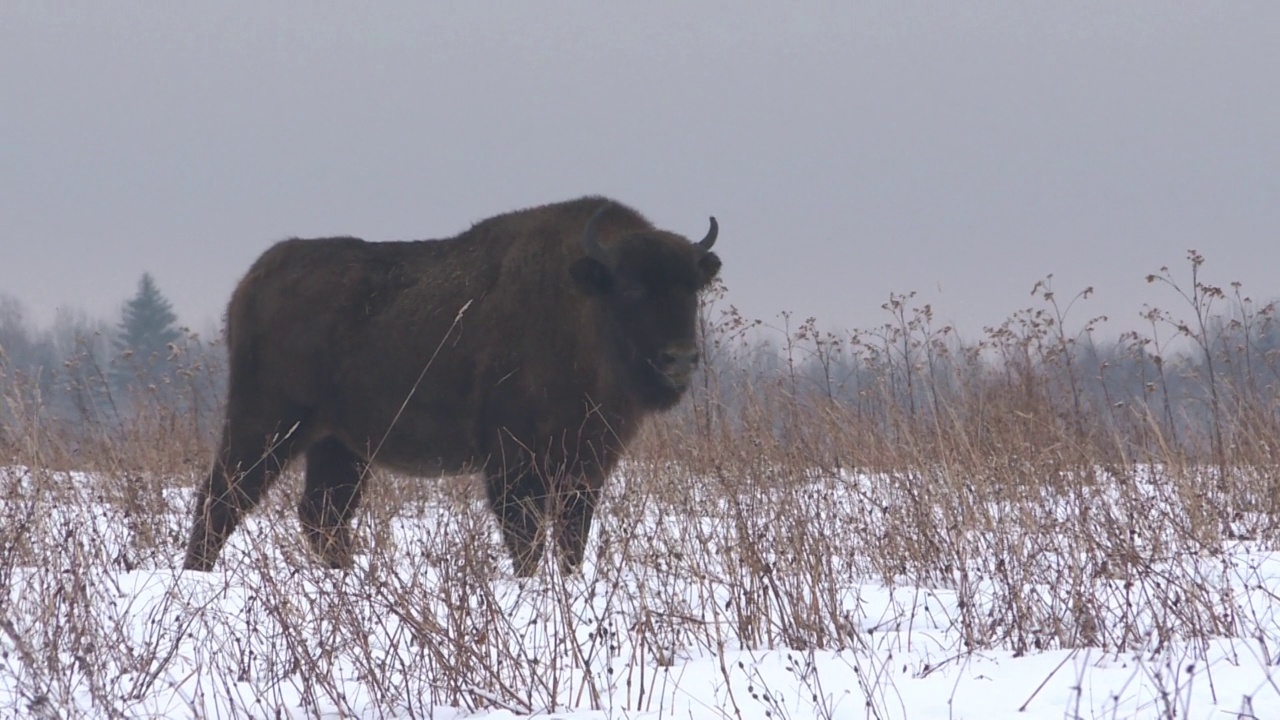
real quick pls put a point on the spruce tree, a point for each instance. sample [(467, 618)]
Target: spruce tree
[(146, 329)]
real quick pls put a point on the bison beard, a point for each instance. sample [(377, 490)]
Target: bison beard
[(579, 322)]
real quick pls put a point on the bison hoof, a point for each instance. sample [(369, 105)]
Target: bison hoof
[(198, 563), (336, 562), (333, 550)]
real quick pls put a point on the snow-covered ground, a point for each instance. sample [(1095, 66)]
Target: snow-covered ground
[(105, 625)]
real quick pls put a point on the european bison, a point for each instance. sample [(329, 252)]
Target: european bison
[(528, 349)]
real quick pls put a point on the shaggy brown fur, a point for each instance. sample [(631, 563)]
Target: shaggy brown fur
[(579, 321)]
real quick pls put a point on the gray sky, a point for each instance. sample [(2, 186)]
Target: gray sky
[(962, 150)]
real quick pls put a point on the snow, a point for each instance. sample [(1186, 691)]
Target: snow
[(97, 630)]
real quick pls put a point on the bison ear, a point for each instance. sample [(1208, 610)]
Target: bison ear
[(591, 276), (709, 264)]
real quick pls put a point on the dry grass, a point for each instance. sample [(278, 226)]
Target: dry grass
[(1058, 506)]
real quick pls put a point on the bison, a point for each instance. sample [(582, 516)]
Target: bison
[(528, 349)]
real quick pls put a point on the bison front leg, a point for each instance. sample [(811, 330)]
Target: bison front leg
[(330, 498), (518, 499), (574, 511)]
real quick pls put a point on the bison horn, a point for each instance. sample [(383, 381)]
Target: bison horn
[(591, 240), (706, 242)]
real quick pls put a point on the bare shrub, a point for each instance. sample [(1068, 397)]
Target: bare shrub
[(1038, 489)]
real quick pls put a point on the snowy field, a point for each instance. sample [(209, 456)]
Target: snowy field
[(762, 606)]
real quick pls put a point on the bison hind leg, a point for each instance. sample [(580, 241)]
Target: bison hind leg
[(330, 498), (242, 471)]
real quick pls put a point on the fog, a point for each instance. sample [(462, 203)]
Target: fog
[(961, 150)]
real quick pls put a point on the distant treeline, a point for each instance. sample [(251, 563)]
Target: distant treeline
[(1197, 380), (83, 380)]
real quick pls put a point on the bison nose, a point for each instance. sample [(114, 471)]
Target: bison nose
[(678, 362)]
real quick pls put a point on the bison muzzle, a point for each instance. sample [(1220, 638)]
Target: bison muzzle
[(528, 349)]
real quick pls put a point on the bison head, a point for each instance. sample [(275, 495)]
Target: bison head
[(646, 285)]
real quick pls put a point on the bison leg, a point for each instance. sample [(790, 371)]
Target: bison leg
[(242, 471), (329, 500), (519, 500), (573, 526)]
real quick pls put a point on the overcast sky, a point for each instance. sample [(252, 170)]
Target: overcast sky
[(962, 150)]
